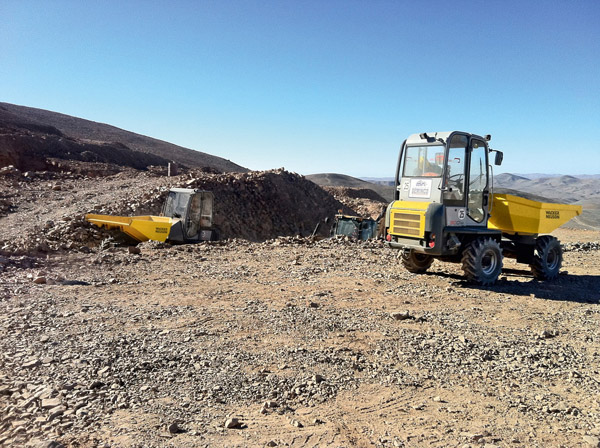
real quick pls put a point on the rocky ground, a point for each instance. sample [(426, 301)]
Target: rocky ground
[(284, 342)]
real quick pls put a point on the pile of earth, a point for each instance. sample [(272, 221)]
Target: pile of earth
[(365, 202), (47, 214)]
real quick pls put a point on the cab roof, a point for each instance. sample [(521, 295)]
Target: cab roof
[(420, 139)]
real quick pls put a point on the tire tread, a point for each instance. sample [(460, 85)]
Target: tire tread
[(539, 267), (471, 260), (414, 266)]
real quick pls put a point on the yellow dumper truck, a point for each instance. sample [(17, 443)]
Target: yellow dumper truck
[(187, 217), (445, 209)]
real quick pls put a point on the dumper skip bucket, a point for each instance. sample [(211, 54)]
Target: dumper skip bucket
[(140, 228), (513, 214)]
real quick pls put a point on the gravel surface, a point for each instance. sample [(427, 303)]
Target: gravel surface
[(295, 343)]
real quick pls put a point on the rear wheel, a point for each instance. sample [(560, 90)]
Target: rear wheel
[(482, 261), (547, 258), (415, 262)]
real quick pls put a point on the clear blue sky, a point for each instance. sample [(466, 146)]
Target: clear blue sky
[(318, 86)]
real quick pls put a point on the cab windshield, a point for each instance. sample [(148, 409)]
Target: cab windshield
[(423, 161)]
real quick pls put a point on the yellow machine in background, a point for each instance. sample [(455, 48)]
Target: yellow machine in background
[(445, 209), (187, 217), (140, 228)]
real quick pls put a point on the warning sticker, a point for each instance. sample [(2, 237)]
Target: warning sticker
[(420, 188)]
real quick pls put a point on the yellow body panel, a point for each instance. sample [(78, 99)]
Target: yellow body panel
[(513, 214), (407, 218), (141, 228)]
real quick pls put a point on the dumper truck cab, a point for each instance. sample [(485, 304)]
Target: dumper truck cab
[(445, 208), (192, 214)]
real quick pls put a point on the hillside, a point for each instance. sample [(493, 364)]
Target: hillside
[(380, 180), (29, 135), (341, 180)]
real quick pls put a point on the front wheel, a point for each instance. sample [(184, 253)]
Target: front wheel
[(482, 261), (547, 258), (415, 262)]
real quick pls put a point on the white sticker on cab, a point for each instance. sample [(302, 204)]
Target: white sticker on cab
[(420, 188)]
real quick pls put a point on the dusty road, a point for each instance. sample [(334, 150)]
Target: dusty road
[(295, 343)]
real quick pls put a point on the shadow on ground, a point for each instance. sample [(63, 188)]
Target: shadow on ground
[(567, 287)]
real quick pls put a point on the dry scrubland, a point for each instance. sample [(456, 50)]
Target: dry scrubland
[(285, 342)]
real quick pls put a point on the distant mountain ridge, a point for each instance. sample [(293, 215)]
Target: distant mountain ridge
[(40, 132), (569, 189), (582, 190), (533, 176)]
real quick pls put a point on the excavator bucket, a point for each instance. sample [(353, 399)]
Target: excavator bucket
[(513, 214), (140, 228)]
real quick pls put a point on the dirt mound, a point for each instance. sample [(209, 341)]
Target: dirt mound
[(342, 180), (356, 193), (365, 202), (255, 206), (268, 204)]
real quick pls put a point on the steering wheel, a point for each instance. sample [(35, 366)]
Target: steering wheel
[(455, 181)]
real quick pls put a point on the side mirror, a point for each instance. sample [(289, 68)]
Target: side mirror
[(499, 158)]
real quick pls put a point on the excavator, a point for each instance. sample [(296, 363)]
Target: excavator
[(445, 208)]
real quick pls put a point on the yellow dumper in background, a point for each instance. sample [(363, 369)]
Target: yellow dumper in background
[(187, 217), (445, 209)]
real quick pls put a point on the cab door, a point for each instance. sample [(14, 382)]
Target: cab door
[(466, 181), (455, 180), (477, 181)]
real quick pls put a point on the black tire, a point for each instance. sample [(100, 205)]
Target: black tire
[(547, 258), (482, 261), (415, 262)]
